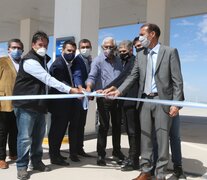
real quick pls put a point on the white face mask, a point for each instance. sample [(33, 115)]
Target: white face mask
[(41, 51), (144, 41), (85, 52)]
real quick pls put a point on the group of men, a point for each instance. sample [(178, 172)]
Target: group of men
[(154, 73)]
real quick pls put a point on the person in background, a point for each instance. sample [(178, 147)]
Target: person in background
[(80, 69), (104, 69), (9, 67), (63, 110), (33, 79), (130, 112)]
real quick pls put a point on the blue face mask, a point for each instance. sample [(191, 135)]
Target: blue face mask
[(69, 57), (16, 54)]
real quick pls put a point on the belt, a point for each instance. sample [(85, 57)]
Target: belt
[(150, 95)]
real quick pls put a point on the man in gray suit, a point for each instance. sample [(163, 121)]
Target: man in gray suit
[(157, 68)]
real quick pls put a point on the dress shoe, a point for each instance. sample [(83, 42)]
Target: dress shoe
[(143, 176), (178, 173), (74, 158), (58, 161), (129, 165), (40, 167), (4, 164), (63, 157), (118, 157), (84, 154), (101, 161)]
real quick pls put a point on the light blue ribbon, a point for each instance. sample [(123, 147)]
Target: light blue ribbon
[(87, 94)]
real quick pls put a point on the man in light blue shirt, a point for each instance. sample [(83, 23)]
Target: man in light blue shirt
[(104, 69)]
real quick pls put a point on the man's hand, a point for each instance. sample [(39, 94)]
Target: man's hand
[(108, 90), (75, 91), (173, 111), (115, 93)]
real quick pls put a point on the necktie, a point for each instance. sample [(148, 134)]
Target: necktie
[(70, 74), (148, 79)]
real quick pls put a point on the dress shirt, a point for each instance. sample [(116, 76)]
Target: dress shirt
[(16, 64), (103, 72), (154, 62), (35, 69)]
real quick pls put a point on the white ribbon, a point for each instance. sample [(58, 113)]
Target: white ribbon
[(86, 94)]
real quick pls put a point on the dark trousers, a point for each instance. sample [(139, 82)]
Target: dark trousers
[(81, 116), (8, 129), (107, 110), (60, 120), (132, 124)]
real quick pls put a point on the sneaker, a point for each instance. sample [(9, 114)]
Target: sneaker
[(4, 164), (22, 174), (178, 173), (41, 167)]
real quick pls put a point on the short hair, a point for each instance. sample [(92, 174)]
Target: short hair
[(39, 35), (84, 41), (127, 43), (152, 27), (16, 41), (108, 39), (72, 43), (135, 40)]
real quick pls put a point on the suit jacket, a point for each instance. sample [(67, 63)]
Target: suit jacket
[(132, 92), (59, 70), (168, 77), (7, 79), (79, 71)]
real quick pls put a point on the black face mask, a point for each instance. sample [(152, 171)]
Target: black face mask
[(139, 49), (124, 57), (69, 57)]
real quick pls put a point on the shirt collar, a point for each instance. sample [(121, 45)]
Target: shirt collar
[(156, 48)]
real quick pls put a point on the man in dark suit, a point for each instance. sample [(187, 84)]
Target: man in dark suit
[(158, 71), (128, 108), (62, 109), (80, 70)]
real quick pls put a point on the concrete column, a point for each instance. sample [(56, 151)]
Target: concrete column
[(79, 18), (27, 28), (158, 12)]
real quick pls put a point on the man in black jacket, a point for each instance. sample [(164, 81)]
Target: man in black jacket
[(130, 112), (63, 110)]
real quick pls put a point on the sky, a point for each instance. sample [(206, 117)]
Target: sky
[(188, 35)]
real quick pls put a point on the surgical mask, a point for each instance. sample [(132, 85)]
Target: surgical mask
[(41, 51), (16, 54), (124, 56), (85, 52), (69, 57), (144, 41), (108, 52)]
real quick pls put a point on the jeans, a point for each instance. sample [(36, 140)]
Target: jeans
[(31, 131)]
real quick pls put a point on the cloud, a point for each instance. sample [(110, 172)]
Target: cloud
[(202, 30), (176, 35), (189, 57), (184, 22)]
